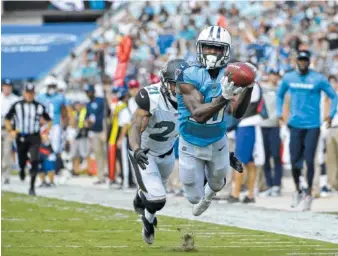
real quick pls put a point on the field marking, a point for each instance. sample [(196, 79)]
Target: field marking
[(323, 234), (313, 253), (328, 249), (286, 247), (264, 242), (12, 219)]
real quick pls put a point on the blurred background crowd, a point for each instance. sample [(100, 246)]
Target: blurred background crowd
[(133, 40)]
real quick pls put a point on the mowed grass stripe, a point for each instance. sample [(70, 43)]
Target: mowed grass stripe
[(93, 230)]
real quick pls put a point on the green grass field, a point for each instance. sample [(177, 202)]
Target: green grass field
[(40, 226)]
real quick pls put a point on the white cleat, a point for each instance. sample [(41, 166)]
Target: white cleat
[(296, 199), (307, 203), (201, 207)]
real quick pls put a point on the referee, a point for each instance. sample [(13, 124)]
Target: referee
[(27, 114)]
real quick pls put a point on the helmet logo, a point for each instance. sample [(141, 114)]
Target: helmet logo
[(177, 73), (165, 67)]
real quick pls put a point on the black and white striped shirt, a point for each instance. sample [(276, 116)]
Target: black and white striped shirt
[(27, 116)]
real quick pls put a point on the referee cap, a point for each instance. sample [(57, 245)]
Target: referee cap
[(29, 87)]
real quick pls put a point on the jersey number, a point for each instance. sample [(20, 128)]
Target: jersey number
[(153, 90), (161, 136), (217, 117)]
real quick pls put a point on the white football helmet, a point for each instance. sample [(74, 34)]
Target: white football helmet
[(216, 36)]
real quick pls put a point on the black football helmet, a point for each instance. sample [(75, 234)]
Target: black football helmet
[(172, 71)]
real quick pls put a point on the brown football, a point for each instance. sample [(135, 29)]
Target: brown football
[(242, 74)]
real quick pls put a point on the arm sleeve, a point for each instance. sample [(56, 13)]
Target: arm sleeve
[(282, 89), (11, 112), (45, 114), (330, 92)]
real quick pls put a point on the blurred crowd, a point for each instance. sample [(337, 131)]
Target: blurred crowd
[(266, 33), (128, 53)]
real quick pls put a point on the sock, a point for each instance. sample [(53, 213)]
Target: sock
[(33, 181), (303, 183), (323, 180), (208, 192), (149, 216)]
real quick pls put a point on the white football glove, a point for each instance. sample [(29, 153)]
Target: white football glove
[(229, 89)]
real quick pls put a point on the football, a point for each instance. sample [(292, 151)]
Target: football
[(242, 74)]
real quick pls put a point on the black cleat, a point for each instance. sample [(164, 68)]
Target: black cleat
[(138, 204), (233, 199), (148, 230), (44, 185), (22, 175), (248, 200), (32, 192)]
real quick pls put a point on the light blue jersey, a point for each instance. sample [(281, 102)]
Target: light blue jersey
[(305, 92), (53, 104), (214, 129)]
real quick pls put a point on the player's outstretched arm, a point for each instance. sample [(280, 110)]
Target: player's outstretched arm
[(139, 123), (200, 112), (242, 103)]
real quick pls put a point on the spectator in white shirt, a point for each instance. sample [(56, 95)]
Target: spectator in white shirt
[(8, 98), (134, 87), (124, 120)]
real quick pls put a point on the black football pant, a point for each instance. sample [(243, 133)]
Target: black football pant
[(28, 148)]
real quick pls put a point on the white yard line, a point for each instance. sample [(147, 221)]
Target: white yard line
[(313, 253), (276, 221), (286, 247)]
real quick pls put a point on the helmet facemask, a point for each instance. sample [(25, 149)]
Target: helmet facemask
[(52, 89), (167, 88), (210, 60)]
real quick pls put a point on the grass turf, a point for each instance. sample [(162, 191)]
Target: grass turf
[(41, 226)]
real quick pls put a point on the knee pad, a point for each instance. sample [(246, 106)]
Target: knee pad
[(191, 194), (153, 206), (194, 199), (216, 185)]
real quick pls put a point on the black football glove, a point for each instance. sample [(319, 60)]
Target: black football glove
[(141, 158), (235, 163)]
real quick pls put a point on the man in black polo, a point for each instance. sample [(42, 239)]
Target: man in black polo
[(27, 114)]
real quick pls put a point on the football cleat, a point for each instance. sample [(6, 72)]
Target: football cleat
[(138, 204), (201, 206), (148, 230)]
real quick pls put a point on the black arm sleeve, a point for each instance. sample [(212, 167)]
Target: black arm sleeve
[(45, 114), (9, 116), (142, 100)]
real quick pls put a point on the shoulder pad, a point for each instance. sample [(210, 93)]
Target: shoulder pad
[(148, 98), (142, 99), (192, 75), (154, 96)]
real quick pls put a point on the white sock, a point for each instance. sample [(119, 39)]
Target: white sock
[(208, 192), (149, 216), (303, 183), (323, 180)]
